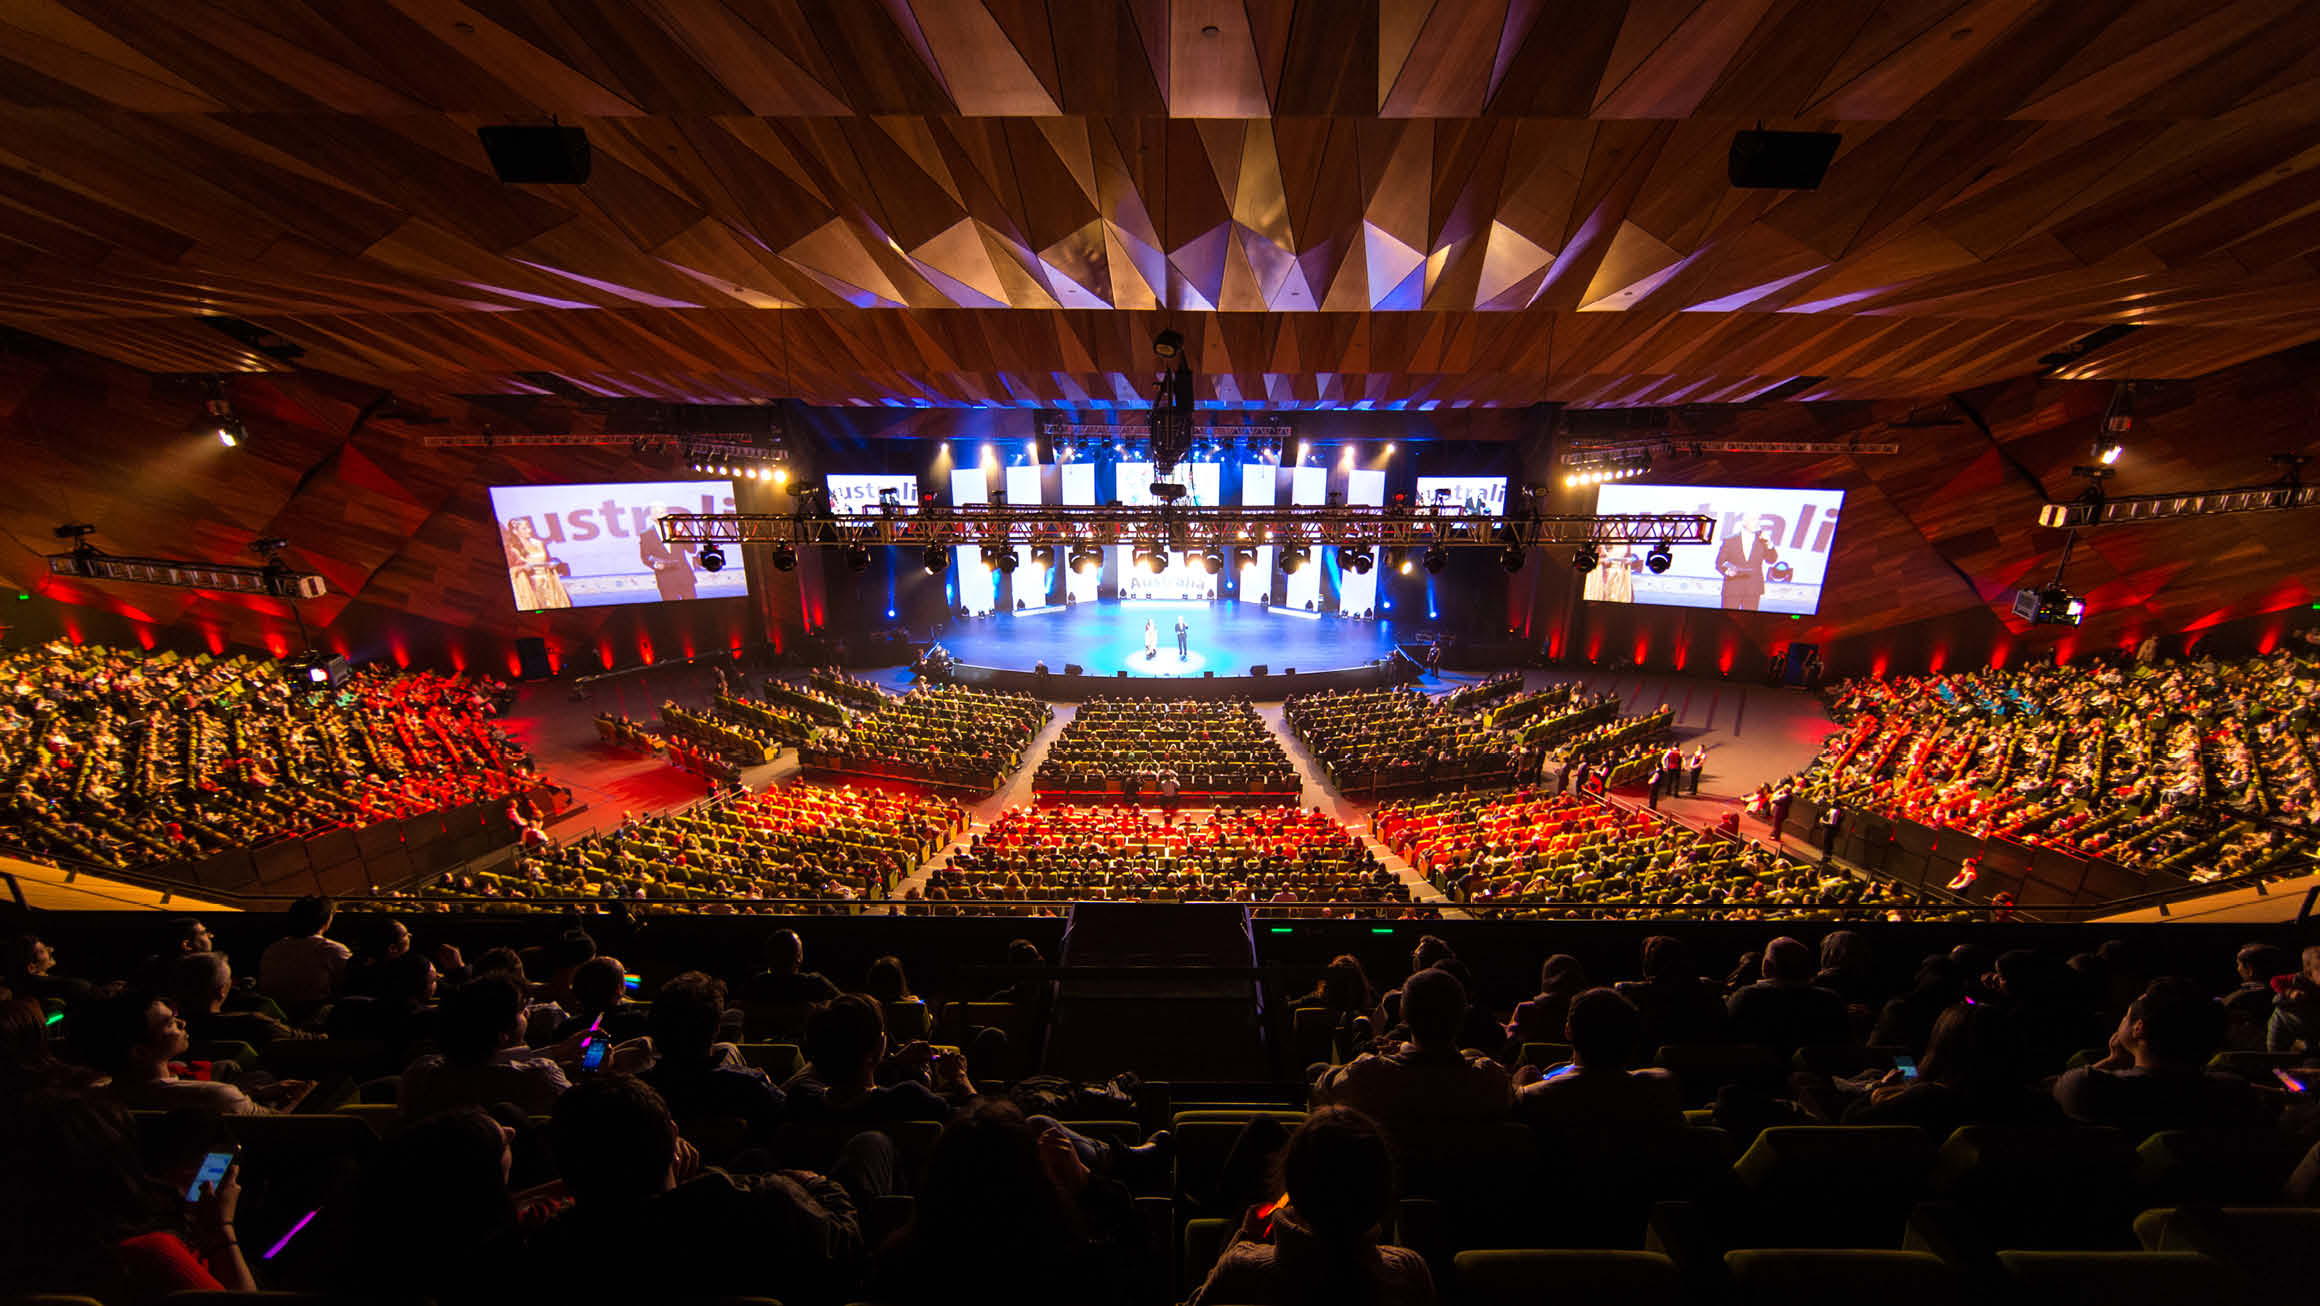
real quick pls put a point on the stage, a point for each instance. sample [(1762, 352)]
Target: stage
[(1228, 644)]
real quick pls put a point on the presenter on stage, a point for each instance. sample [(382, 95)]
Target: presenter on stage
[(1151, 640), (1741, 560), (671, 564), (1183, 642)]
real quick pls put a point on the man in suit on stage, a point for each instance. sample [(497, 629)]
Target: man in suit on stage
[(672, 567), (1741, 560), (1183, 642)]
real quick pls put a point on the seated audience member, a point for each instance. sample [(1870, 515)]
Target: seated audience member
[(401, 1012), (839, 1086), (2155, 1077), (1322, 1245), (1427, 1085), (2249, 1008), (134, 1038), (2295, 1022), (28, 970), (785, 982), (80, 1215), (598, 997), (1540, 1020), (1676, 1003), (1026, 992), (432, 1216), (199, 984), (1971, 1073), (305, 967), (484, 1060), (379, 940), (1597, 1102), (650, 1223), (1009, 1213), (698, 1078), (27, 1062), (1907, 1021), (1785, 1010), (1845, 967)]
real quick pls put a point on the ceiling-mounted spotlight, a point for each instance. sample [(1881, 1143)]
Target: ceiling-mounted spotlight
[(1294, 558), (712, 558), (857, 556), (1212, 561), (1154, 558), (230, 434), (1511, 558), (2111, 451), (1043, 555), (1437, 557), (1168, 344), (1345, 557), (1086, 558), (1398, 559), (937, 559), (1001, 559), (1583, 559), (784, 558), (1660, 558)]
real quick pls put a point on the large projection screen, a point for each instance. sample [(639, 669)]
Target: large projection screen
[(858, 495), (1771, 552), (1471, 495), (594, 546)]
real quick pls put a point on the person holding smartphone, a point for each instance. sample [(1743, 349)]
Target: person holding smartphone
[(135, 1039)]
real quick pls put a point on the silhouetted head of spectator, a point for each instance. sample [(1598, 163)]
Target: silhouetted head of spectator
[(1665, 958), (501, 961), (1602, 1029), (310, 915), (432, 1206), (785, 952), (886, 981), (1562, 973), (199, 982), (1845, 952), (2173, 1026), (1434, 1006), (1339, 1175), (684, 1018), (407, 981), (569, 952), (127, 1033), (1973, 961), (479, 1018), (614, 1141), (1345, 985), (1023, 952), (24, 956), (188, 934), (986, 1191), (1787, 961), (845, 1039), (2259, 962), (380, 939), (2027, 975), (596, 985), (1971, 1043), (1431, 951)]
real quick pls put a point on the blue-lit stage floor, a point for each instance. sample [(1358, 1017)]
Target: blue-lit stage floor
[(1226, 637)]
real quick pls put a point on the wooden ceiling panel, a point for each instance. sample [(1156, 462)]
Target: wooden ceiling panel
[(1361, 180)]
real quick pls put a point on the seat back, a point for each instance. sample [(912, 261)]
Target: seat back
[(1701, 1069), (2114, 1278), (780, 1061), (1832, 1186), (2215, 1167), (1526, 1277), (906, 1021), (1840, 1277), (2052, 1187), (2266, 1244)]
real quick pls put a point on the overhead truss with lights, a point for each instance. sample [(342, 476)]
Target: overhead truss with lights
[(1180, 528)]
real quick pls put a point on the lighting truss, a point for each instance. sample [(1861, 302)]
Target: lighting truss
[(1118, 432), (1598, 452), (2128, 509), (276, 580), (1003, 526), (530, 440)]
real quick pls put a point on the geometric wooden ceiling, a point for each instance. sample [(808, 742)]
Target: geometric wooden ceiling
[(1340, 202)]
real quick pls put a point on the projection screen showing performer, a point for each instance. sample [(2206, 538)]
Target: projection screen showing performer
[(1771, 552)]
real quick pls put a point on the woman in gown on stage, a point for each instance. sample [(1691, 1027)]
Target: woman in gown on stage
[(1151, 641), (532, 573)]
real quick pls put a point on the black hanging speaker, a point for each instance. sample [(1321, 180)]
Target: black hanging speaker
[(1260, 669), (539, 156), (1762, 160), (1074, 669), (532, 657)]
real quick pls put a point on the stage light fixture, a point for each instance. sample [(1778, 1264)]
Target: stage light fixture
[(2111, 452), (1155, 558), (1006, 561), (1660, 558), (1583, 559), (1212, 562), (1043, 555), (1398, 558), (784, 558), (1168, 344), (1086, 558), (937, 559), (857, 557), (1437, 558), (712, 558), (1363, 561), (1511, 558), (1293, 559), (1345, 557)]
